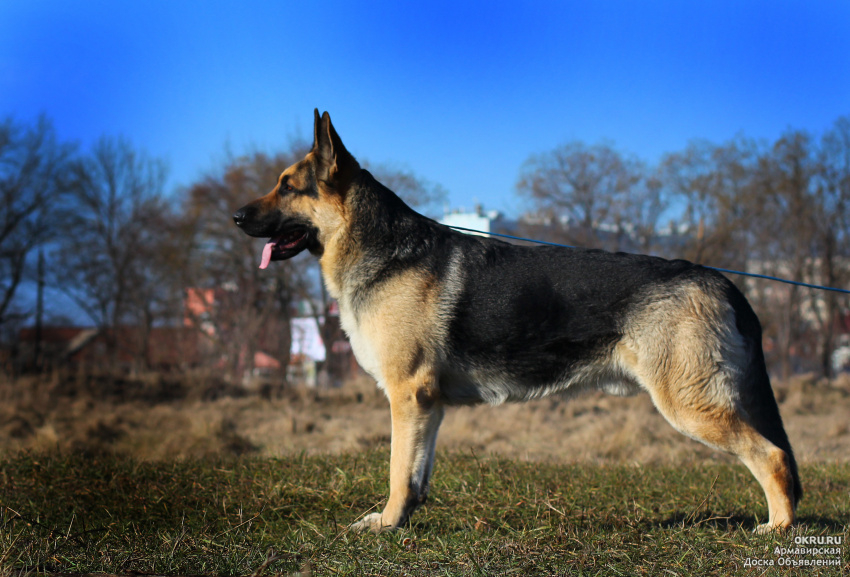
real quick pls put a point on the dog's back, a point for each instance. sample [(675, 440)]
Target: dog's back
[(544, 315)]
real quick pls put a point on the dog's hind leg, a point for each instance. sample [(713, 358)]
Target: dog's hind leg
[(721, 409), (729, 430), (697, 349), (416, 416), (773, 468)]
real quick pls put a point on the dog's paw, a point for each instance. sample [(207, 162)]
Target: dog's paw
[(766, 528), (371, 522)]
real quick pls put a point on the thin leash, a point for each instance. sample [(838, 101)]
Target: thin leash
[(728, 271)]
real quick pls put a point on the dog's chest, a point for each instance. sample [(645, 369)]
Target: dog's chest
[(364, 349)]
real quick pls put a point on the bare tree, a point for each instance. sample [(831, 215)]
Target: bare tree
[(786, 181), (586, 189), (108, 259), (33, 167), (715, 185), (641, 214), (416, 191), (831, 234)]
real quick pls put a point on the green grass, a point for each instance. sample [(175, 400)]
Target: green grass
[(486, 516)]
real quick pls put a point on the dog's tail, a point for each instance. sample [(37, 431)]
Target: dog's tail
[(757, 396), (761, 406)]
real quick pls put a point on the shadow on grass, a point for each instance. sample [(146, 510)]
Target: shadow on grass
[(814, 523), (810, 523), (732, 522)]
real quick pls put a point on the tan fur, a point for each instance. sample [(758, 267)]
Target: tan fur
[(394, 337)]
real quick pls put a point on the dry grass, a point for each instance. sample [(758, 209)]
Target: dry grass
[(156, 418)]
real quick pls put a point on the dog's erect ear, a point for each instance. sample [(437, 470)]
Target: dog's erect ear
[(317, 120), (338, 166)]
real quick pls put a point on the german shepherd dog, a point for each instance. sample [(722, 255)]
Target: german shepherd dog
[(441, 318)]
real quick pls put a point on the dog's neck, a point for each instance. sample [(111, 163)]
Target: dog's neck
[(380, 229)]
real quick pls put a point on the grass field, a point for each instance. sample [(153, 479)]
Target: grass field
[(100, 512)]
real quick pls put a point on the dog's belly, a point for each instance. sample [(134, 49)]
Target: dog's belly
[(492, 385)]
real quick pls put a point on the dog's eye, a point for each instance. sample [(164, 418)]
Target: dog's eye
[(286, 187)]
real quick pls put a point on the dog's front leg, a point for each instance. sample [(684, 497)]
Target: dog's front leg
[(416, 416)]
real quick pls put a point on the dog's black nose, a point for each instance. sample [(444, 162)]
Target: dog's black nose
[(239, 217)]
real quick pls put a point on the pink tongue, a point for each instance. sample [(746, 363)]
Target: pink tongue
[(267, 254)]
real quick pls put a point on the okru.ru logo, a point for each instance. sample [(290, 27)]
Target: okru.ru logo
[(808, 551), (819, 540)]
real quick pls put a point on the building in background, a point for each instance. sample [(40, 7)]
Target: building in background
[(479, 220)]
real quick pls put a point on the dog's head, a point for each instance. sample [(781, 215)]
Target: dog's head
[(306, 207)]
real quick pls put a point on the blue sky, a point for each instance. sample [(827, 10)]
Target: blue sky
[(459, 92)]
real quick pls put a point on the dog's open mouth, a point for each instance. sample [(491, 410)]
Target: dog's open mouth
[(284, 246)]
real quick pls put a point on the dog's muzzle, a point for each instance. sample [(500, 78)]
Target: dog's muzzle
[(286, 238)]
